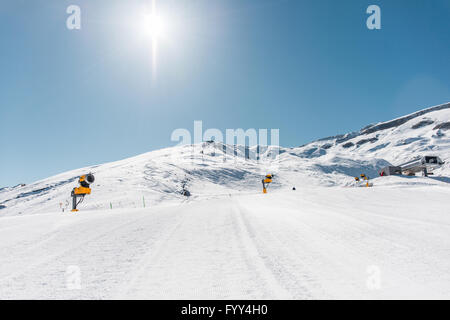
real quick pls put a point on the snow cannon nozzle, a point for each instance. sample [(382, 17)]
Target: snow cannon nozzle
[(86, 179), (90, 178)]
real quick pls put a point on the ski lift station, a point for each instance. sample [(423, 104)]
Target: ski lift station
[(424, 164)]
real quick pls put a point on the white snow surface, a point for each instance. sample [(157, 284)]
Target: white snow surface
[(137, 236)]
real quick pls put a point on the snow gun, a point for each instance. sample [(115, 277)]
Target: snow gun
[(266, 181), (78, 193), (363, 178)]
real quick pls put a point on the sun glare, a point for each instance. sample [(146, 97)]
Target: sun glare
[(154, 29), (154, 26)]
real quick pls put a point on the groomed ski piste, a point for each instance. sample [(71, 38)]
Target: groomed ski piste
[(137, 236)]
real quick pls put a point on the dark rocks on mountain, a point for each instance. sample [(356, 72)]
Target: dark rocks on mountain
[(404, 142), (443, 126), (341, 138), (422, 123), (45, 189), (327, 146), (346, 137), (313, 153), (184, 191), (20, 185), (2, 206), (368, 126), (439, 134), (379, 147), (40, 191), (337, 137), (371, 140), (402, 120), (348, 145)]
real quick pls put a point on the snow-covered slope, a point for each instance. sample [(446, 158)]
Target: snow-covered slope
[(326, 239), (310, 243), (206, 170)]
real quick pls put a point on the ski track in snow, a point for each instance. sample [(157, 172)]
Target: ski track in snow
[(308, 244)]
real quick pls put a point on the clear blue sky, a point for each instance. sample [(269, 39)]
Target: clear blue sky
[(310, 68)]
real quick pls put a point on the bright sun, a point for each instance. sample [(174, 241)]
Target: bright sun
[(154, 26)]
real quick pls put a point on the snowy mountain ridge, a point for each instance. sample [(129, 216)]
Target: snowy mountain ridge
[(396, 141), (388, 124), (213, 169)]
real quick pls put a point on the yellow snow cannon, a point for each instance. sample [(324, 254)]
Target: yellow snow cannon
[(85, 181), (366, 179), (266, 181)]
